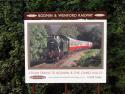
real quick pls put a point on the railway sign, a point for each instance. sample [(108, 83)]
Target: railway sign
[(65, 50)]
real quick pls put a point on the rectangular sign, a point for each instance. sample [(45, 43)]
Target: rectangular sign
[(65, 51)]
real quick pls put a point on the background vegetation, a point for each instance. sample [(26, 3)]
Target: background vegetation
[(12, 45), (72, 30), (38, 41), (92, 57)]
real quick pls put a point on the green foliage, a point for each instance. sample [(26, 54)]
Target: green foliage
[(38, 40), (91, 57), (68, 30), (12, 45), (94, 4)]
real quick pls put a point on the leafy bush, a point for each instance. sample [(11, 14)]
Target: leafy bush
[(91, 57)]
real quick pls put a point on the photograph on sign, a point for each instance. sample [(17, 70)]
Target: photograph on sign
[(66, 46)]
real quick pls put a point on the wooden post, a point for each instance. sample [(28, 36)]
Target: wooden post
[(65, 89), (98, 89), (33, 88)]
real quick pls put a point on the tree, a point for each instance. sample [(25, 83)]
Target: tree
[(69, 30), (94, 35), (38, 41)]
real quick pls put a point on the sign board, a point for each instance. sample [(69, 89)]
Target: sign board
[(63, 47)]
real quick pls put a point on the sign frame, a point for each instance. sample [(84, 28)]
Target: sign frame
[(64, 75)]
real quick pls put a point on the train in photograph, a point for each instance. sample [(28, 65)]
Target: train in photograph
[(59, 46)]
